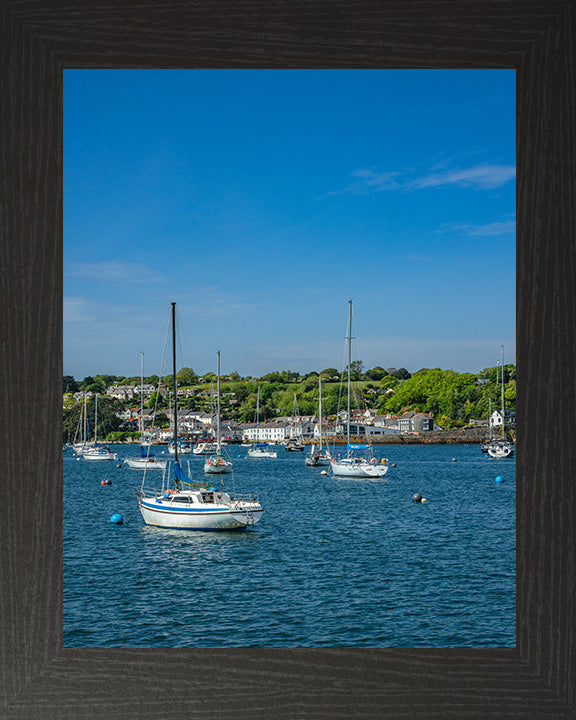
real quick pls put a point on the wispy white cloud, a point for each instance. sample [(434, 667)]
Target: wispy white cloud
[(368, 182), (116, 271), (490, 230), (479, 177), (483, 177)]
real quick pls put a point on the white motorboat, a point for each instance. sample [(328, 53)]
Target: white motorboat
[(204, 448), (217, 463), (194, 506), (260, 450), (352, 465)]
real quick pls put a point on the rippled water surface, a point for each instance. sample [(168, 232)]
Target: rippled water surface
[(334, 562)]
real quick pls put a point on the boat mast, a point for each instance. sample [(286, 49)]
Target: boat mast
[(218, 407), (85, 428), (349, 366), (175, 394), (141, 397), (502, 364), (320, 408), (257, 414), (212, 407), (96, 420)]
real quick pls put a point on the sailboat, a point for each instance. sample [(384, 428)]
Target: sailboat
[(352, 465), (217, 463), (260, 450), (295, 444), (501, 448), (147, 459), (318, 456), (194, 506), (81, 428), (98, 452)]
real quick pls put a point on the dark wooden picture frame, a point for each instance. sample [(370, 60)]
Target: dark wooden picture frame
[(40, 679)]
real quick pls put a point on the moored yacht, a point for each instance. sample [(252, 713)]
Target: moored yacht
[(352, 465), (191, 505)]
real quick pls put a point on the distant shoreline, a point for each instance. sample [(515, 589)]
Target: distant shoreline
[(464, 436)]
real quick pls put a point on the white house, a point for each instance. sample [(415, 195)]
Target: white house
[(496, 418), (272, 432)]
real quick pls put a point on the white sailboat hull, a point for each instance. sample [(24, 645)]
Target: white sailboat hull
[(317, 460), (217, 466), (217, 517), (90, 455), (204, 449), (358, 468), (262, 454), (500, 451), (145, 463)]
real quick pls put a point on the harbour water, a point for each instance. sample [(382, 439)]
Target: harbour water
[(334, 562)]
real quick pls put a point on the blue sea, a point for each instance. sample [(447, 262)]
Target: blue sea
[(334, 562)]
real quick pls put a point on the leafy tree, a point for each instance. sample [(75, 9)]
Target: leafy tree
[(388, 381), (162, 420), (69, 385), (401, 374), (162, 401), (98, 386), (186, 376), (376, 373), (330, 374), (510, 393), (106, 380), (273, 377)]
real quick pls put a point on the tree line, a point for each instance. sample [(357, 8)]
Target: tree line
[(454, 399)]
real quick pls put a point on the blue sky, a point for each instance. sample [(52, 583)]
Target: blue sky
[(261, 201)]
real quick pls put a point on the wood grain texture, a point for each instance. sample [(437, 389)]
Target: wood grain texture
[(40, 679)]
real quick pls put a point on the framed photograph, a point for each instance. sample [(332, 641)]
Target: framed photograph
[(43, 677)]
